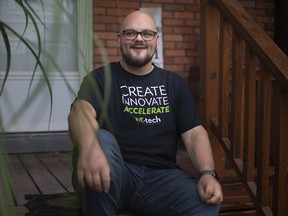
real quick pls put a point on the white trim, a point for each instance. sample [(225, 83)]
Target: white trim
[(156, 13), (85, 37), (27, 75)]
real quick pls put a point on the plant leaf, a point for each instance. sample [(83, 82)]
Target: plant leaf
[(38, 62), (34, 13), (31, 17), (28, 15), (19, 2), (8, 49)]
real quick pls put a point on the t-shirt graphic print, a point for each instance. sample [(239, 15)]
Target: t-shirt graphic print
[(146, 104)]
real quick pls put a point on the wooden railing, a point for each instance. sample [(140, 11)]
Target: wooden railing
[(244, 95)]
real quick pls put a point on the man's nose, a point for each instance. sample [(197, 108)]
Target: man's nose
[(139, 37)]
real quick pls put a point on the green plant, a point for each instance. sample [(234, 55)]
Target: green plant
[(30, 16), (37, 52)]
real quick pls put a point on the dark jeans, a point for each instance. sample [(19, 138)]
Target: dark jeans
[(142, 189)]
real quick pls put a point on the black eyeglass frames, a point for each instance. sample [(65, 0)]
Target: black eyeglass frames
[(147, 35)]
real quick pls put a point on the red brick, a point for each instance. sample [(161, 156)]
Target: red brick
[(129, 4), (120, 12), (114, 58), (182, 30), (167, 29), (268, 20), (99, 11), (98, 27), (185, 1), (190, 38), (195, 8), (184, 60), (105, 3), (197, 16), (184, 15), (170, 45), (113, 27), (166, 1), (112, 43), (255, 11), (264, 5), (194, 22), (104, 52), (173, 22), (174, 67), (174, 7), (196, 31), (150, 5), (192, 53), (186, 45), (247, 4), (106, 19), (173, 37), (107, 35), (174, 52), (117, 11), (167, 14), (112, 52)]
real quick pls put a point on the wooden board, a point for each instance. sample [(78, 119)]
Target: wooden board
[(42, 177), (65, 158), (58, 169), (21, 182), (50, 173)]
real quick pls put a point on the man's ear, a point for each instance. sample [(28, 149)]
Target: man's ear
[(119, 37)]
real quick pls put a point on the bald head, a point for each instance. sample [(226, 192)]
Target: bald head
[(137, 52), (138, 20)]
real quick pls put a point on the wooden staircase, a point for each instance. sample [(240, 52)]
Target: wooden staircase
[(244, 99)]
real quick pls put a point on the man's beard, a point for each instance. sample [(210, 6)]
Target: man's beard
[(134, 62)]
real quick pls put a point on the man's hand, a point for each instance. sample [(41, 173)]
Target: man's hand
[(93, 169), (92, 165), (209, 190)]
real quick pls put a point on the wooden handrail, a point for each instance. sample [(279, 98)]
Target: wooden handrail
[(244, 80), (263, 46)]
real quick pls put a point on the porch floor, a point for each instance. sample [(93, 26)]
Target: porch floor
[(50, 173)]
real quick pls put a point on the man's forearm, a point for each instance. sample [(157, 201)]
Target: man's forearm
[(83, 126), (199, 149)]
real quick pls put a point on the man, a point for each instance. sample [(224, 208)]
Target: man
[(148, 110)]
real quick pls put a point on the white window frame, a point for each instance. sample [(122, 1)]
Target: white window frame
[(85, 37), (156, 13)]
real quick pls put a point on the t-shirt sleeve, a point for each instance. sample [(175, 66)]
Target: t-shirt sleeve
[(187, 116), (91, 90)]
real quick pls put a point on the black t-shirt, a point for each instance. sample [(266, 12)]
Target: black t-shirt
[(146, 114)]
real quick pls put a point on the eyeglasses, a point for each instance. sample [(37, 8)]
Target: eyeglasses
[(147, 35)]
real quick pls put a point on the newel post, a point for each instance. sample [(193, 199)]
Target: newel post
[(209, 71)]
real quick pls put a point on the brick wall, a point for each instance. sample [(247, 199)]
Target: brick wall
[(263, 13), (181, 28)]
